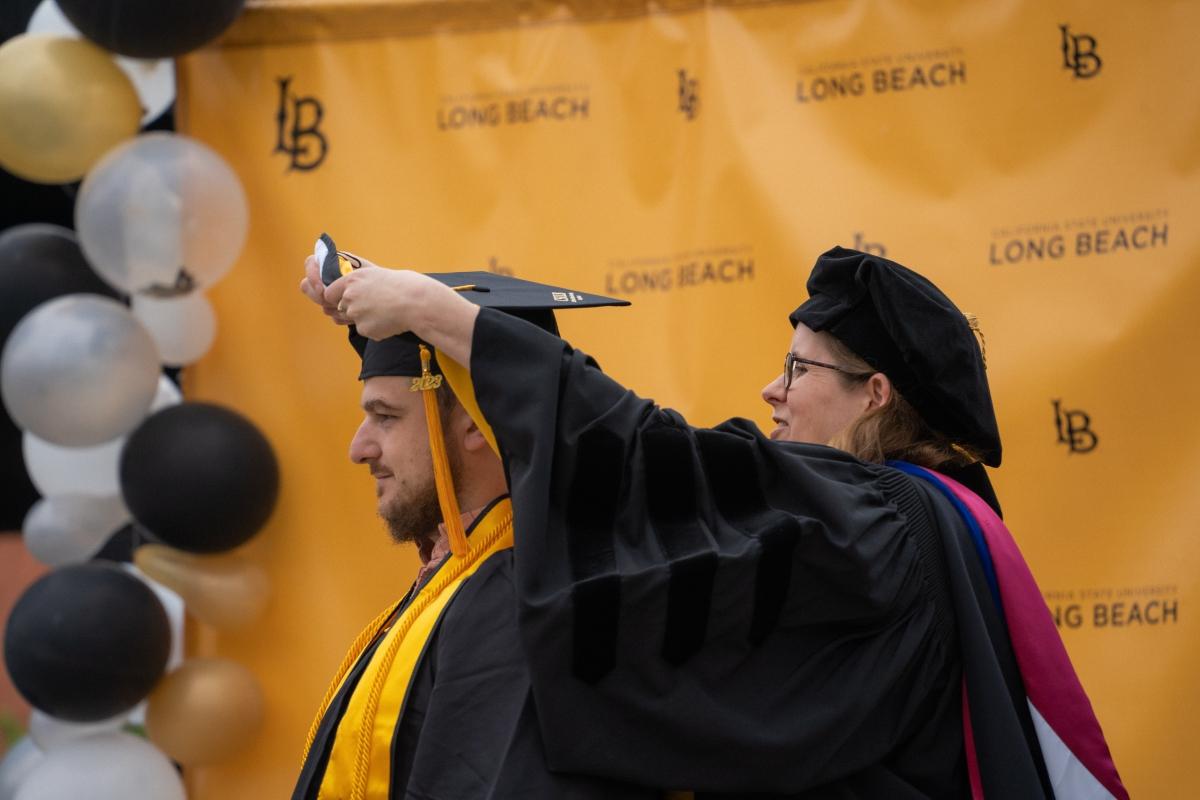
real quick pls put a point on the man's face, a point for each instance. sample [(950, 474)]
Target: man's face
[(393, 442)]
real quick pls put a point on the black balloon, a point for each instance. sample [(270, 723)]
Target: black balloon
[(87, 642), (199, 477), (151, 28), (38, 262)]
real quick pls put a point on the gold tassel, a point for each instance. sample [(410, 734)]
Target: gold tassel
[(973, 324), (427, 384), (964, 452)]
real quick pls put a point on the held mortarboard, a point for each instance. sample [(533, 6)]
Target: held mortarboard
[(533, 302), (400, 355), (905, 327)]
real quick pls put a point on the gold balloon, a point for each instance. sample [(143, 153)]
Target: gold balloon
[(205, 711), (225, 591), (65, 104)]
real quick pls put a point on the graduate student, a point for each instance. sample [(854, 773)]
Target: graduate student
[(434, 698), (823, 613)]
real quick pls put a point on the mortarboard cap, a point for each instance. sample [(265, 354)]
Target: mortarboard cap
[(533, 302), (905, 327)]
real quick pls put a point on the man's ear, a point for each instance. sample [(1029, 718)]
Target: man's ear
[(461, 427), (465, 430), (879, 390), (473, 439)]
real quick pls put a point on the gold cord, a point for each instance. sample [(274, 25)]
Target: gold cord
[(446, 576), (360, 644), (449, 573)]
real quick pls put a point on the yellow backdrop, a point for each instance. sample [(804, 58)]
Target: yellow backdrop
[(1038, 160)]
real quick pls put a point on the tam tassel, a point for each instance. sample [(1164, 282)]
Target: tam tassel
[(428, 384)]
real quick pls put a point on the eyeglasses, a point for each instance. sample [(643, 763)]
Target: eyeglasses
[(791, 361)]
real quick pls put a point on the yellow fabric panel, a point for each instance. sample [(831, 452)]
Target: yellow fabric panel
[(1051, 204), (460, 382), (360, 762)]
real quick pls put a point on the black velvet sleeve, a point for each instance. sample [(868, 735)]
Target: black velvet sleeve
[(704, 608)]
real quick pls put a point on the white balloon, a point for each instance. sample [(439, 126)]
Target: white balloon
[(110, 766), (161, 215), (79, 370), (166, 395), (154, 79), (20, 760), (183, 328), (50, 732), (174, 606), (68, 529), (58, 470)]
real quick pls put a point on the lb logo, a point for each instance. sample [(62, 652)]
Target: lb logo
[(1079, 53), (298, 124), (689, 95), (1074, 429)]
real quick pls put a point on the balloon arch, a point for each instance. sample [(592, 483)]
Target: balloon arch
[(88, 322)]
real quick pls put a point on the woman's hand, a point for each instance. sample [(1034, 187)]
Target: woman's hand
[(383, 302), (312, 287)]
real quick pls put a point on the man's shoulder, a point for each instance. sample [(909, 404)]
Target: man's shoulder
[(490, 583)]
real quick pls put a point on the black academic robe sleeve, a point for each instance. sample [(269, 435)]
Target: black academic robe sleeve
[(707, 609)]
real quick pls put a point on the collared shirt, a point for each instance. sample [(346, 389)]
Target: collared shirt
[(432, 554)]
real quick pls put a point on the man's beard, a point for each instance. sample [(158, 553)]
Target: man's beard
[(414, 516)]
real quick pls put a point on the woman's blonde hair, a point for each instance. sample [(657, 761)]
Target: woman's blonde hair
[(894, 430)]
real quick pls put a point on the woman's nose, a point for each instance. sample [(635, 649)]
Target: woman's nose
[(774, 392)]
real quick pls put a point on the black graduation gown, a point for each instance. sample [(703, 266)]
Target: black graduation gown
[(707, 609), (468, 730)]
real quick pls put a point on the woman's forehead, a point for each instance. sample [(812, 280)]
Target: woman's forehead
[(808, 343)]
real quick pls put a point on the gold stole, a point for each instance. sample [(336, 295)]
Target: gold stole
[(360, 762)]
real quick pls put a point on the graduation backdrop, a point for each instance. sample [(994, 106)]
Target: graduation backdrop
[(1037, 160)]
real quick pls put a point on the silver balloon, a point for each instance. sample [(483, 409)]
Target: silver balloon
[(72, 528), (16, 765), (111, 766), (183, 328), (58, 470), (161, 215), (79, 370), (49, 732)]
